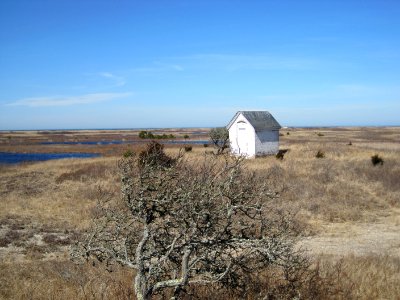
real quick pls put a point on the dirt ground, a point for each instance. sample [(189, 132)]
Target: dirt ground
[(381, 237)]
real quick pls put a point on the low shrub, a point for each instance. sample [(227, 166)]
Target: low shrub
[(85, 173), (281, 153), (188, 148), (5, 241), (320, 154), (56, 240), (128, 153), (205, 145), (11, 236), (149, 135), (154, 155), (320, 134), (376, 160)]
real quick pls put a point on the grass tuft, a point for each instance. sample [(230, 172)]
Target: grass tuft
[(376, 160), (320, 154)]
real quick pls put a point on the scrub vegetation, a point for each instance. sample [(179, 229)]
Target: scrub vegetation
[(151, 136), (344, 211)]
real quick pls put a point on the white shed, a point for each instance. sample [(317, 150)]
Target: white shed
[(253, 133)]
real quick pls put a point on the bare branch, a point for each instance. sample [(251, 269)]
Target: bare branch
[(180, 224)]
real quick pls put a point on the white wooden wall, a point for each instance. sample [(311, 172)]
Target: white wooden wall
[(267, 142), (242, 137), (245, 141)]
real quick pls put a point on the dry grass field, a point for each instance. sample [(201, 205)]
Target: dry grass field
[(347, 210)]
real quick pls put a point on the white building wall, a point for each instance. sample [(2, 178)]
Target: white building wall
[(267, 142), (242, 137)]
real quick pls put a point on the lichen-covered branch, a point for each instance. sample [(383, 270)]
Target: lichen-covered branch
[(181, 224)]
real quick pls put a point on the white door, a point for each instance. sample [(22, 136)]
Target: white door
[(242, 141)]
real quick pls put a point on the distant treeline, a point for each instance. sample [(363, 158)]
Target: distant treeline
[(150, 135)]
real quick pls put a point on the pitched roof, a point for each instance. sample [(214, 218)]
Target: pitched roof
[(260, 120)]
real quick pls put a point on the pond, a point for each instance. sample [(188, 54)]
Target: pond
[(14, 158)]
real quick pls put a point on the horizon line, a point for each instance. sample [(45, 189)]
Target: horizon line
[(188, 127)]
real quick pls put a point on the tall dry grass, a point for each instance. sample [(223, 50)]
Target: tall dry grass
[(45, 206), (60, 193), (341, 186), (63, 280), (351, 277), (365, 277)]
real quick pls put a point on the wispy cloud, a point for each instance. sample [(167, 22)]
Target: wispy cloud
[(157, 67), (118, 80), (177, 67), (235, 62), (225, 63), (360, 90), (68, 100)]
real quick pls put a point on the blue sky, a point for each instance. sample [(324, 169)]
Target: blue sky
[(139, 64)]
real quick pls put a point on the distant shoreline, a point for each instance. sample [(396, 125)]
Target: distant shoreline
[(110, 129), (190, 128)]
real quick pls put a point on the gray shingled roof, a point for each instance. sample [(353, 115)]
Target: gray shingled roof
[(260, 120)]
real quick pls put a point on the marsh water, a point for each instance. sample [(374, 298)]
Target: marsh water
[(14, 157)]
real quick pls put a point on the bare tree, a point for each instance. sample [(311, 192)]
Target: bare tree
[(220, 138), (184, 224)]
